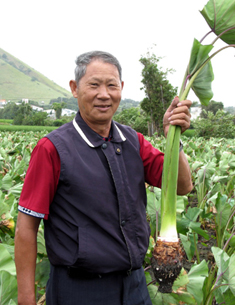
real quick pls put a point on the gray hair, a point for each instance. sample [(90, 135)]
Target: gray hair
[(84, 59)]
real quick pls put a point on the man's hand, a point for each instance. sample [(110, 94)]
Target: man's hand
[(177, 114)]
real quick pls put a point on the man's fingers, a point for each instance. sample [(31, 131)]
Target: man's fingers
[(186, 103), (177, 114), (173, 104), (181, 117), (180, 112)]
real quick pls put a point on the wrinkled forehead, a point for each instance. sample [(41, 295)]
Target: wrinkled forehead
[(98, 69), (105, 62)]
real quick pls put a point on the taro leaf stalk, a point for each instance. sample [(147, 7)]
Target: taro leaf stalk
[(167, 254)]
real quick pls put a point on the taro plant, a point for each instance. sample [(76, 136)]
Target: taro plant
[(15, 150), (167, 257), (8, 282)]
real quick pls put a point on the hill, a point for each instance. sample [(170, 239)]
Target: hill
[(19, 81)]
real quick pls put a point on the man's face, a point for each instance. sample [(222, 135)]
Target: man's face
[(98, 93)]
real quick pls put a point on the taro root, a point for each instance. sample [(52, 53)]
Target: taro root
[(166, 264)]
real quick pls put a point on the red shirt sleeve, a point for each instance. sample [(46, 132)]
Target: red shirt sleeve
[(152, 160), (41, 180)]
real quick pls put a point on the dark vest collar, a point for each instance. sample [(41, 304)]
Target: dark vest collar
[(91, 137)]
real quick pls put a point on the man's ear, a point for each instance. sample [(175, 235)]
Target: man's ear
[(122, 84), (73, 87)]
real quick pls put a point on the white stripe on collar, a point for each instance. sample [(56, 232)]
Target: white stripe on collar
[(120, 133), (85, 138), (82, 133)]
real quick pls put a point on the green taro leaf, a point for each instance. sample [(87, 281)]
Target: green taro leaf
[(7, 182), (202, 83), (10, 249), (188, 244), (193, 213), (8, 288), (230, 274), (221, 259), (41, 242), (6, 261), (185, 298), (153, 207), (226, 270), (199, 54), (228, 298), (223, 211), (42, 272), (197, 276), (224, 296), (220, 16)]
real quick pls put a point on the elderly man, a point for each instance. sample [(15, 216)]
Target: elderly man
[(87, 181)]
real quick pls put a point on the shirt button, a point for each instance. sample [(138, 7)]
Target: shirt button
[(118, 151), (104, 145), (123, 223)]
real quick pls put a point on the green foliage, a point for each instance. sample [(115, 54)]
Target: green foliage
[(219, 125), (36, 118), (9, 111), (133, 117), (201, 84), (189, 133), (159, 92), (212, 163), (219, 14), (15, 128), (126, 104), (6, 121), (23, 114), (23, 111), (8, 288), (57, 123), (58, 108), (213, 106), (15, 151), (71, 103), (225, 280)]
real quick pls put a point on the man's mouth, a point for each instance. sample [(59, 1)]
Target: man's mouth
[(102, 106)]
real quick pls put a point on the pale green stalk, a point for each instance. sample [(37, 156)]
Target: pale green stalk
[(169, 185), (168, 229)]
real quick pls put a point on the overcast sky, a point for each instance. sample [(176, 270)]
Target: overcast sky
[(48, 35)]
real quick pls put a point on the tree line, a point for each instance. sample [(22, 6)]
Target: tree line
[(23, 114)]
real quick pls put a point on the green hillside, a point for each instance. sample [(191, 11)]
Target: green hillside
[(19, 81)]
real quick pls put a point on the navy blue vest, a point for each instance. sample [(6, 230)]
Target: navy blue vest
[(97, 219)]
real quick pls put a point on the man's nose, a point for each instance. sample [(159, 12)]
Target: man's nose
[(103, 92)]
